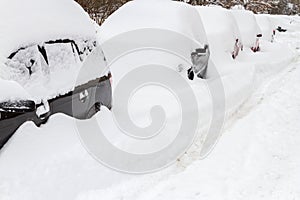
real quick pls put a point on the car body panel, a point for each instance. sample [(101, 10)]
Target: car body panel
[(69, 104)]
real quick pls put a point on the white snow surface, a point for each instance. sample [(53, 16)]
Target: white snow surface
[(145, 14), (256, 157), (38, 21)]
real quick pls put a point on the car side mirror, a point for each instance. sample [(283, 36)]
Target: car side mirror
[(20, 106)]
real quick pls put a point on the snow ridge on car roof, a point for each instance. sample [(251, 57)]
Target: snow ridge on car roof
[(27, 22)]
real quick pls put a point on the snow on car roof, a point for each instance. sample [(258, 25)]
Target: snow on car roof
[(27, 22), (158, 14), (221, 27)]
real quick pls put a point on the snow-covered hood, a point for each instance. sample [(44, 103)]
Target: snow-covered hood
[(27, 22)]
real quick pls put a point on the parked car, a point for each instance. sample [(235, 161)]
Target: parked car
[(62, 70), (266, 26), (222, 31), (249, 29), (164, 29)]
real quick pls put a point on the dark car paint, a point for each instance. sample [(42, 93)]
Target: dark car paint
[(99, 93)]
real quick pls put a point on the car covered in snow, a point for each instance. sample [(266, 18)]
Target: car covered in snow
[(266, 26), (249, 29), (50, 62), (222, 31), (165, 29)]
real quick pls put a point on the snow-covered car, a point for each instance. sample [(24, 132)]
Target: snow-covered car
[(164, 30), (249, 29), (51, 55), (222, 31), (266, 26)]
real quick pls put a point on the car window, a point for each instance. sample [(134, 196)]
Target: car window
[(23, 63)]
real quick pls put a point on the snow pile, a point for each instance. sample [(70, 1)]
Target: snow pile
[(266, 26), (247, 25)]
